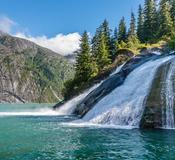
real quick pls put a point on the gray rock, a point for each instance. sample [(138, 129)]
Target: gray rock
[(110, 84), (30, 73)]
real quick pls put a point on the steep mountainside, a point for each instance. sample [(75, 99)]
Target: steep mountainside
[(30, 73)]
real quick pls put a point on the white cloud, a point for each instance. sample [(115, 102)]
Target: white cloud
[(62, 44), (6, 24)]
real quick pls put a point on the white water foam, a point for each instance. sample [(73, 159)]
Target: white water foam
[(34, 112), (77, 124), (69, 107), (118, 69), (124, 105)]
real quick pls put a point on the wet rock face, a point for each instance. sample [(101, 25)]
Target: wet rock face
[(154, 115), (110, 84)]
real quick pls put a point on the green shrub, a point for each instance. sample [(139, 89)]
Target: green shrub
[(172, 43)]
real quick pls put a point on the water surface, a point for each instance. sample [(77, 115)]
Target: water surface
[(47, 137)]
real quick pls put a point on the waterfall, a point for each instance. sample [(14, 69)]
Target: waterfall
[(168, 110), (117, 69), (69, 107), (125, 104)]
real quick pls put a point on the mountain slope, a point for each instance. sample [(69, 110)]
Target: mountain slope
[(30, 73)]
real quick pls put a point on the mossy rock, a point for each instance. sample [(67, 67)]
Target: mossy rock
[(126, 52)]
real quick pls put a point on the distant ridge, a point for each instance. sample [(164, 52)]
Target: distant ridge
[(31, 72)]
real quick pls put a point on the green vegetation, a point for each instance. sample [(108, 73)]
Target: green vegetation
[(172, 43), (35, 74), (155, 27)]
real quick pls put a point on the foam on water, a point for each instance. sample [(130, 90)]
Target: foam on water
[(35, 112), (81, 124)]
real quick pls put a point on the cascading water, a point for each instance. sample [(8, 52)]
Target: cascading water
[(117, 69), (69, 107), (168, 110), (125, 104)]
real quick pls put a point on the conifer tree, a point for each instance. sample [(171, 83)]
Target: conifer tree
[(115, 36), (122, 30), (106, 31), (85, 69), (132, 29), (107, 34), (102, 55), (173, 11), (114, 44), (95, 41), (140, 24), (150, 21), (165, 20), (132, 39)]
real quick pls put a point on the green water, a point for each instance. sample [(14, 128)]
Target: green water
[(48, 138)]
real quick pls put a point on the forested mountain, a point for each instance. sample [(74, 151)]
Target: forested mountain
[(30, 73)]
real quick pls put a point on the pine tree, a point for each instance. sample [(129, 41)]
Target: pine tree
[(102, 55), (108, 39), (140, 24), (165, 20), (114, 43), (132, 29), (122, 30), (106, 31), (150, 21), (115, 36), (85, 69), (173, 11), (132, 40), (95, 41)]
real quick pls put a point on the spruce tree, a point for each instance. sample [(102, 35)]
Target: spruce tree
[(122, 30), (132, 39), (140, 24), (114, 43), (132, 29), (165, 20), (106, 31), (173, 11), (108, 39), (150, 21), (85, 69), (95, 41), (102, 55), (115, 36)]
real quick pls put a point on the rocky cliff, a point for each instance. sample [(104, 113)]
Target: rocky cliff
[(30, 73)]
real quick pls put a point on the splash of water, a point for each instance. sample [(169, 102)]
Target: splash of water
[(69, 107), (124, 106)]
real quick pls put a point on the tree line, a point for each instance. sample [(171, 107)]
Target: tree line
[(154, 22)]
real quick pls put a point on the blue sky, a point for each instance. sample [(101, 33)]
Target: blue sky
[(49, 18)]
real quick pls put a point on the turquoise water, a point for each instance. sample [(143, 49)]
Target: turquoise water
[(44, 137)]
